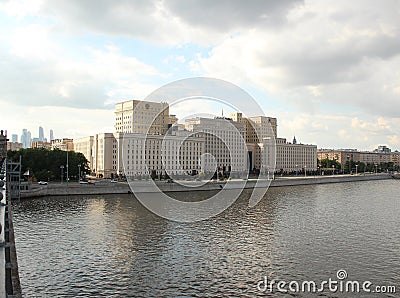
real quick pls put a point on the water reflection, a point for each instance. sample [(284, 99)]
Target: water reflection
[(113, 246)]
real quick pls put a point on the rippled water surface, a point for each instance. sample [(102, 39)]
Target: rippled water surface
[(111, 246)]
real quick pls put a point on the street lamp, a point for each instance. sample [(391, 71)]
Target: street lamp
[(305, 170), (79, 172), (333, 170), (348, 162), (356, 169), (67, 167), (62, 172), (296, 169)]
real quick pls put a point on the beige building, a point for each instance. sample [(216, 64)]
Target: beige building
[(14, 146), (62, 144), (40, 144), (264, 147), (105, 155), (85, 146), (177, 153), (293, 157), (225, 145), (199, 145), (101, 151), (145, 117), (395, 158), (257, 128), (340, 156), (344, 155)]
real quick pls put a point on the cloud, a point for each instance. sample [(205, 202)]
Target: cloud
[(36, 70), (334, 63), (325, 53), (66, 122), (229, 15)]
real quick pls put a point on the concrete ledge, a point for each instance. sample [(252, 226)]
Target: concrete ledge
[(145, 186)]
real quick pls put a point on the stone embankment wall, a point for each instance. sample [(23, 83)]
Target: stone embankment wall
[(123, 188)]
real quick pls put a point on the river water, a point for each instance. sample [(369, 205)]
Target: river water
[(111, 246)]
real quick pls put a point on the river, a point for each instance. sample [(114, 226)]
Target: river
[(111, 246)]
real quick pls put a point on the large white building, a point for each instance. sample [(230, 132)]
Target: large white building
[(294, 157), (101, 151), (145, 117), (148, 142), (176, 153), (225, 145), (266, 151)]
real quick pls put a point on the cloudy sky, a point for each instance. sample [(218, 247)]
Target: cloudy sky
[(328, 70)]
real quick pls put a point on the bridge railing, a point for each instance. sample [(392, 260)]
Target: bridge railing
[(9, 277)]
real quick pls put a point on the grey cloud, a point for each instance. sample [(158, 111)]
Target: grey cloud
[(231, 14), (120, 17), (142, 18)]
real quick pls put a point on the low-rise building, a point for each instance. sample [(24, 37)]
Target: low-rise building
[(376, 157), (64, 144), (41, 144), (14, 146)]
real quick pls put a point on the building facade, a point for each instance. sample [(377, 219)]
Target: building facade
[(383, 155), (14, 146), (225, 145), (294, 157), (64, 144), (105, 153), (145, 117), (40, 144), (177, 153), (85, 146)]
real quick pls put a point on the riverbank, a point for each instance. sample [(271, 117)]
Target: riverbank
[(57, 189)]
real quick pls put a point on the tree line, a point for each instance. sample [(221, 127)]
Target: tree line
[(360, 167), (48, 165)]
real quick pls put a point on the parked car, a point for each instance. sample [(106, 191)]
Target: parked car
[(114, 181), (83, 182), (42, 183)]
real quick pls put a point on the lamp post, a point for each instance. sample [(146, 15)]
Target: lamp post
[(333, 170), (348, 161), (305, 171), (356, 169), (79, 172), (67, 167), (62, 172), (296, 169)]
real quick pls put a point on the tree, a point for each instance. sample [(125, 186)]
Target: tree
[(45, 164), (330, 164)]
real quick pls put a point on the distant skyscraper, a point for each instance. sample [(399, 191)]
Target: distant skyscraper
[(51, 135), (26, 138), (14, 138), (41, 134)]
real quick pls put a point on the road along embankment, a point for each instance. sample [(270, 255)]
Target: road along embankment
[(72, 189)]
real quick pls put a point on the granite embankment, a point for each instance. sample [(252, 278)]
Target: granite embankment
[(56, 189)]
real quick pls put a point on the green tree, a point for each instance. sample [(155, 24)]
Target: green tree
[(45, 164)]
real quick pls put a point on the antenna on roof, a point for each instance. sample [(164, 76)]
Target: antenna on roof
[(222, 112)]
